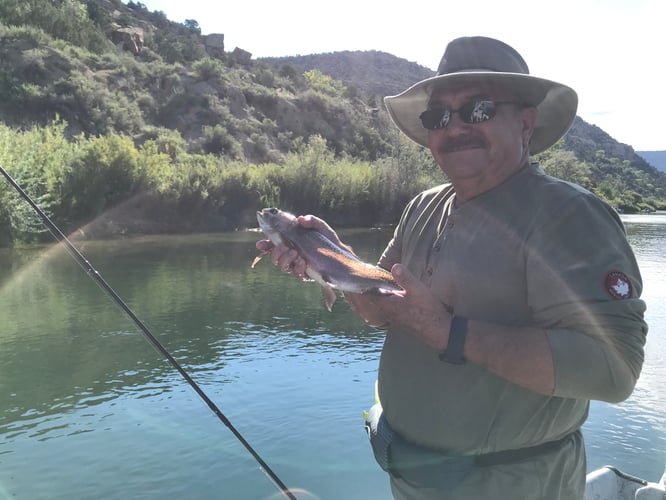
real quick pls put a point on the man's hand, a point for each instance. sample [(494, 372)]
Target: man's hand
[(287, 259), (417, 313)]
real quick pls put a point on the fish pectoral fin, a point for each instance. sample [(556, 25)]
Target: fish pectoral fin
[(257, 259), (329, 297)]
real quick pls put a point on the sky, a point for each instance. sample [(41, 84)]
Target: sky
[(612, 52)]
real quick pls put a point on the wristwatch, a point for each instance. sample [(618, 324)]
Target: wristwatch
[(455, 349)]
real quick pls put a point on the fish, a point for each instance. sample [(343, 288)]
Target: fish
[(330, 265)]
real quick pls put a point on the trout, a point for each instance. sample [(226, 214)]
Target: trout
[(330, 265)]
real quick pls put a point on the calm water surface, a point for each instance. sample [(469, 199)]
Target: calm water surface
[(89, 409)]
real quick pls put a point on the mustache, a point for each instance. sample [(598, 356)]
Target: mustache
[(462, 142)]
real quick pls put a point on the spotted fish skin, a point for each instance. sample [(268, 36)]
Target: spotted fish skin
[(330, 265)]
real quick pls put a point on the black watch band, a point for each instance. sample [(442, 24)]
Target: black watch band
[(456, 347)]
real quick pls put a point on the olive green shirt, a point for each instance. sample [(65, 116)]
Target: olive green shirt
[(533, 251)]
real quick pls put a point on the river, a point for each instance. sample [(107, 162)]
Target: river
[(90, 410)]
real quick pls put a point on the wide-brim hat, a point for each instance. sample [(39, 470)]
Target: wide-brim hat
[(480, 60)]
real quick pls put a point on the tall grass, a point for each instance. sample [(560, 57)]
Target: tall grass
[(75, 180)]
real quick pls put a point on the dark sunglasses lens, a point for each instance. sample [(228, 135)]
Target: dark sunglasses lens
[(471, 112), (477, 111), (434, 119)]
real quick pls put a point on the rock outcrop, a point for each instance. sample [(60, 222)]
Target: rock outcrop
[(128, 38), (214, 44), (242, 56)]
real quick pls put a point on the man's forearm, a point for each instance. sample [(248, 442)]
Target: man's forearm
[(522, 355)]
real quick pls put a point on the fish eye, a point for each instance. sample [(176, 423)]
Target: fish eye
[(273, 211)]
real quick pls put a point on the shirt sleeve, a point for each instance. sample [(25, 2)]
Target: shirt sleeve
[(584, 288), (393, 252)]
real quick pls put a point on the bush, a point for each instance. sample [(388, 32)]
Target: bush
[(320, 82), (106, 172), (37, 159), (217, 140), (209, 69), (65, 19)]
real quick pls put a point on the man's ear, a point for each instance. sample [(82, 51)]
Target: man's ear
[(529, 117)]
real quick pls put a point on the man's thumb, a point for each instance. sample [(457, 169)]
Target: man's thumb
[(403, 277)]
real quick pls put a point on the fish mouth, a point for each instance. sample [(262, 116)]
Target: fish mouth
[(261, 220)]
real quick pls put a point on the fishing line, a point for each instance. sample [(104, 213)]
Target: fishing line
[(94, 274)]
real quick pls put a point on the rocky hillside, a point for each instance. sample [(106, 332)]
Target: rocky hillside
[(381, 74), (105, 67), (373, 72), (586, 140)]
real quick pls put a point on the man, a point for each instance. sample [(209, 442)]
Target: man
[(522, 294)]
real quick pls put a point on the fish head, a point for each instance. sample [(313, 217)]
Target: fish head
[(275, 222)]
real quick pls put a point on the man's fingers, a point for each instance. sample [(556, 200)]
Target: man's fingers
[(313, 222), (286, 260), (320, 225), (276, 253), (264, 245)]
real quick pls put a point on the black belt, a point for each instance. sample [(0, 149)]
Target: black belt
[(520, 454), (433, 468)]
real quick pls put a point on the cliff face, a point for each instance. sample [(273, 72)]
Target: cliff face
[(373, 72), (586, 139)]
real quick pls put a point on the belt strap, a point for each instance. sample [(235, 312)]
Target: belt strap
[(512, 456), (404, 459)]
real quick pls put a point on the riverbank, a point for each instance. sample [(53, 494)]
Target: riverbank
[(150, 214), (142, 215)]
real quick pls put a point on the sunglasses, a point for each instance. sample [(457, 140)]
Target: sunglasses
[(470, 112)]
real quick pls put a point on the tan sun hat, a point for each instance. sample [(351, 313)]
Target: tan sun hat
[(481, 60)]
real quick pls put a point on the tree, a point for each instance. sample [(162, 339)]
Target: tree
[(564, 165), (320, 82), (192, 26)]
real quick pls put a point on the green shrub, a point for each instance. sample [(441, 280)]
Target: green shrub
[(217, 140), (209, 69), (38, 159), (65, 19), (320, 82), (106, 172)]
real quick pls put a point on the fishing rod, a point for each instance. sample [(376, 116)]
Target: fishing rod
[(94, 274)]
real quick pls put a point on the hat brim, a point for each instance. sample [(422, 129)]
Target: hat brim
[(555, 102)]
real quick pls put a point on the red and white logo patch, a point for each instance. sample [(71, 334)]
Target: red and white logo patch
[(617, 285)]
